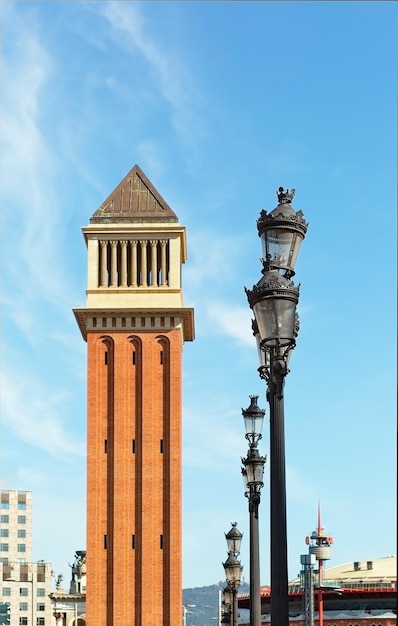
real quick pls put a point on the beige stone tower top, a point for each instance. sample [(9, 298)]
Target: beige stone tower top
[(136, 248)]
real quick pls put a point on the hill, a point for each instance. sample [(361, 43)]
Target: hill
[(202, 603)]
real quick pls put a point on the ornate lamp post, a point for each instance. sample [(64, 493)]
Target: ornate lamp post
[(226, 606), (233, 572), (253, 470), (273, 300), (185, 611)]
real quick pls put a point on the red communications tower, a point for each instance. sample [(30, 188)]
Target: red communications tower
[(319, 544)]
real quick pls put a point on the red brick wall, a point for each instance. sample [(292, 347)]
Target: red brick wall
[(134, 487)]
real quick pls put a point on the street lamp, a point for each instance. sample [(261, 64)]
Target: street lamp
[(185, 610), (226, 606), (253, 470), (234, 539), (233, 571), (274, 300)]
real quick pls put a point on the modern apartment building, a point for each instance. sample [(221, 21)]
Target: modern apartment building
[(16, 527), (24, 585)]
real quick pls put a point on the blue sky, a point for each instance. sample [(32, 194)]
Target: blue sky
[(219, 103)]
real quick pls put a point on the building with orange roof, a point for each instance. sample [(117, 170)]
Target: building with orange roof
[(362, 593)]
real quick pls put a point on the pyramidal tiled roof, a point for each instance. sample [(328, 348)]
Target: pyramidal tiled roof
[(135, 199)]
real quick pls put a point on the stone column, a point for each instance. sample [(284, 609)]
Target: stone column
[(144, 280), (133, 267), (154, 263), (104, 264), (163, 268), (113, 281), (123, 264)]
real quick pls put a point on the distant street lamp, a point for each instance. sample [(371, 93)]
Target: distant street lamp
[(273, 301), (253, 470), (226, 606), (233, 572), (185, 610)]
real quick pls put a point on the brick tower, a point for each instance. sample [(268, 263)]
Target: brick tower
[(135, 326)]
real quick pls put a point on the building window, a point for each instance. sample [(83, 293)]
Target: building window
[(41, 591), (6, 591), (21, 506), (22, 534), (41, 577), (21, 547), (4, 547), (40, 606), (40, 621), (23, 591), (23, 621), (22, 561), (5, 505), (23, 606), (5, 519), (4, 532), (21, 519), (4, 560)]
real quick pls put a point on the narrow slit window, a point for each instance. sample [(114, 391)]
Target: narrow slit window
[(133, 542), (105, 542), (106, 357), (133, 446), (161, 357), (161, 542), (105, 446), (133, 357)]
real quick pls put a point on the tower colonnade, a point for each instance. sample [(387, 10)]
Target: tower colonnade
[(133, 262)]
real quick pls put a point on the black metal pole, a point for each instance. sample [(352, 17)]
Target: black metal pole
[(255, 600), (279, 572)]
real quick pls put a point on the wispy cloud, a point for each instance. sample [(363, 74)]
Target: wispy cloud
[(170, 77), (236, 324), (223, 447), (38, 421), (32, 234), (168, 71), (213, 259), (214, 263), (35, 276)]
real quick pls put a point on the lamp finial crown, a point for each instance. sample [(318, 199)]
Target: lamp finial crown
[(285, 197)]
